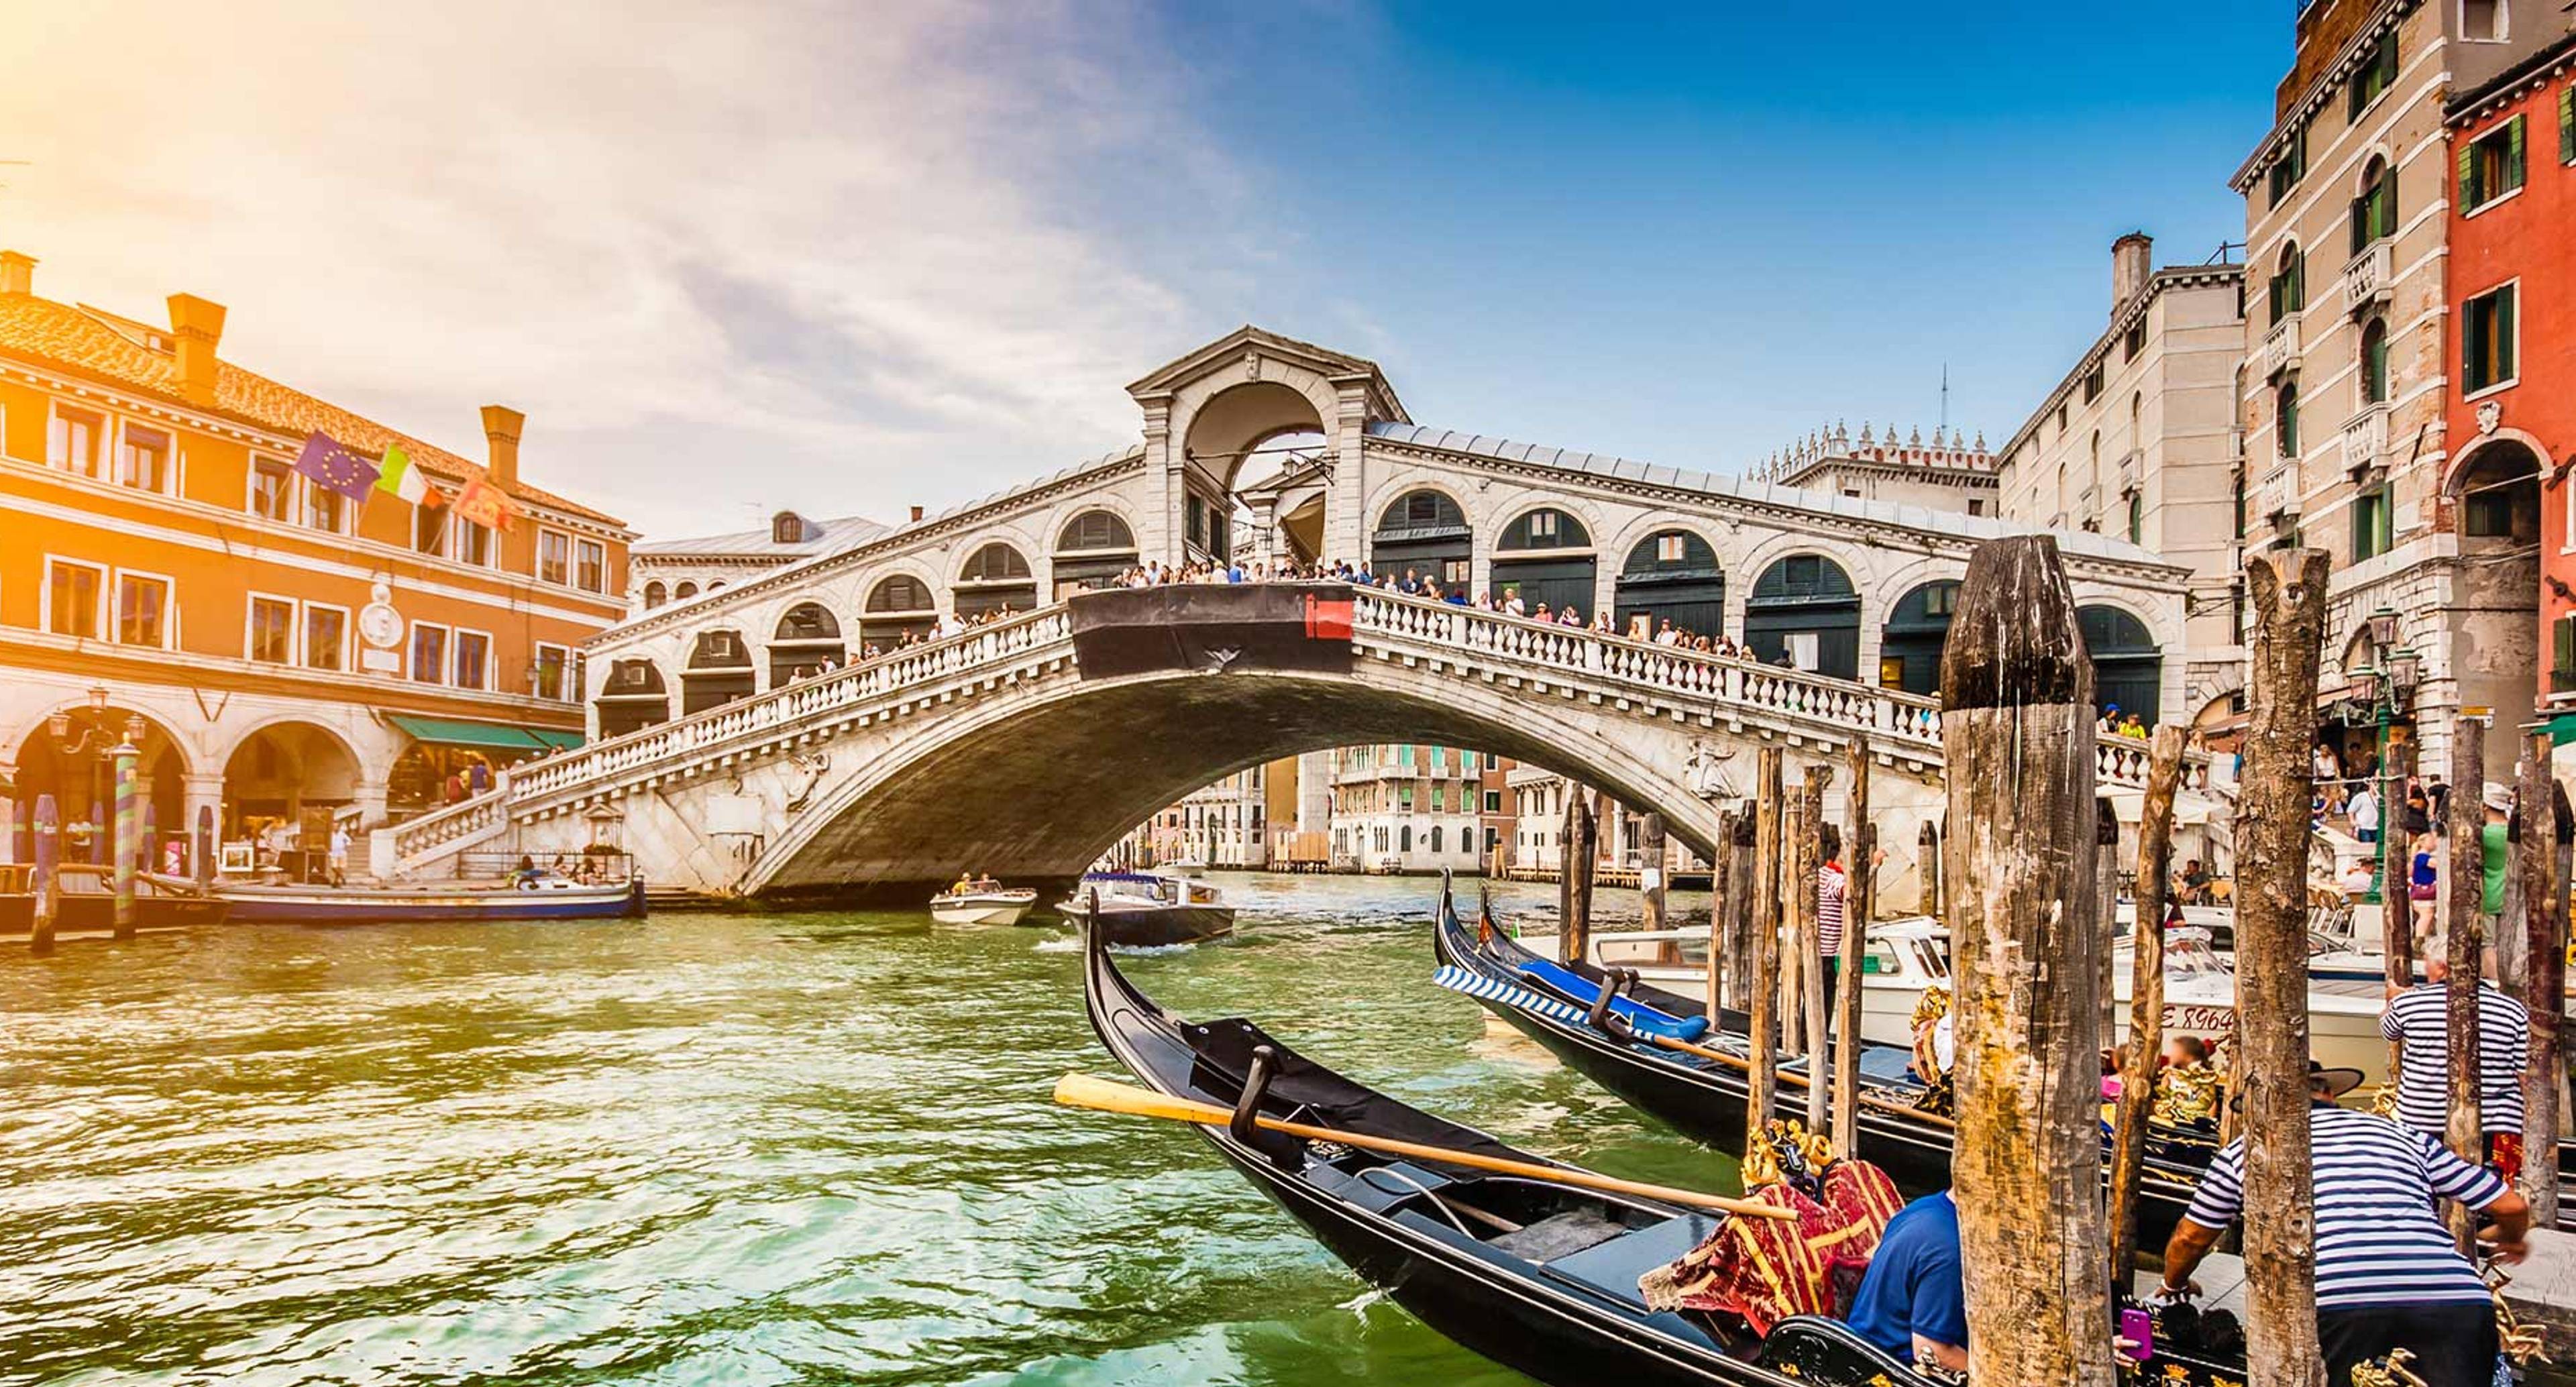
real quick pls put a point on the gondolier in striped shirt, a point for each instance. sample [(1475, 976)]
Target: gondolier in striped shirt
[(1833, 898), (2419, 1017), (2388, 1275)]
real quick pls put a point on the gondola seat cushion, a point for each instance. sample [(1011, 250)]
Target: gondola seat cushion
[(1763, 1271), (1615, 1267), (1640, 1017)]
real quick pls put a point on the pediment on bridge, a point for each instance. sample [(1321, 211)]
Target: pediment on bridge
[(1244, 354)]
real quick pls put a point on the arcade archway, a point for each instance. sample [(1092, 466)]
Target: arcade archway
[(1672, 576), (632, 697), (898, 609), (719, 672), (2128, 669), (1909, 645), (67, 756), (807, 637), (1424, 532), (1546, 555), (279, 773), (1805, 613)]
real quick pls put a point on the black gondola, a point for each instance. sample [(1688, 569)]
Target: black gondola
[(1706, 1099), (1538, 1276)]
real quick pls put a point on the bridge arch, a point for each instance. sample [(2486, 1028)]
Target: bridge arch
[(1424, 527), (996, 577), (1672, 574), (801, 640), (887, 822), (1094, 543), (1545, 550), (2128, 665), (1917, 629), (632, 696), (900, 605), (718, 672), (1804, 611)]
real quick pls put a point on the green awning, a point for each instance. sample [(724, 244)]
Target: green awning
[(560, 741), (487, 736), (2561, 729)]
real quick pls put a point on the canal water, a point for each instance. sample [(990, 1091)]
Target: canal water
[(710, 1149)]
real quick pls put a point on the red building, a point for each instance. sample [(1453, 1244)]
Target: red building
[(2511, 416)]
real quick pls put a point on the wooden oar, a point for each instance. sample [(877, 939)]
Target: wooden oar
[(1084, 1091)]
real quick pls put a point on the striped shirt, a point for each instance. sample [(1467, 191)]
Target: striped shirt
[(1832, 886), (2378, 1240), (2420, 1016)]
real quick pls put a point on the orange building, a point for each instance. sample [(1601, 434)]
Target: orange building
[(280, 648)]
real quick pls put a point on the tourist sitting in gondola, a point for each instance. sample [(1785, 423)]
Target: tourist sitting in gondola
[(1914, 1301)]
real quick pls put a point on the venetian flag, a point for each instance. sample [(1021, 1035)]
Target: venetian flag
[(400, 477), (486, 505), (335, 468)]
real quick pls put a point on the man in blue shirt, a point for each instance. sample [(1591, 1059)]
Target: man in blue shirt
[(1912, 1301)]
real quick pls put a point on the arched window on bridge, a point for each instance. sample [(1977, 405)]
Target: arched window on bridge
[(632, 697), (1547, 555), (1909, 646), (2127, 667), (1672, 575), (996, 579), (807, 635), (1804, 613), (897, 607), (1426, 532), (1094, 548), (684, 592), (719, 672), (655, 594)]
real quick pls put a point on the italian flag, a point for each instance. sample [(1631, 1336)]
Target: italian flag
[(400, 478)]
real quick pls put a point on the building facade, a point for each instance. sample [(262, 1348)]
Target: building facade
[(277, 648), (2346, 391), (2512, 333), (2138, 440), (1949, 473), (677, 570), (1407, 808), (1224, 824)]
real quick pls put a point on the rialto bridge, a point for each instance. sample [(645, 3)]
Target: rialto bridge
[(726, 763)]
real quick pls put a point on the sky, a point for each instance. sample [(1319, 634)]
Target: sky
[(847, 258)]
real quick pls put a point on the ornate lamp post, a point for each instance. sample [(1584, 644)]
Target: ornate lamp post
[(95, 741), (2381, 694)]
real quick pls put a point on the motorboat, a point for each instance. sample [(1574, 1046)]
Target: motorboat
[(1150, 909), (522, 896), (85, 901), (982, 901)]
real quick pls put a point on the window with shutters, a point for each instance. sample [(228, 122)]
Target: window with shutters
[(2374, 210), (2374, 362), (2562, 663), (2289, 283), (2487, 355), (2491, 166), (2376, 76), (2291, 166), (2372, 534), (2285, 425), (2567, 124)]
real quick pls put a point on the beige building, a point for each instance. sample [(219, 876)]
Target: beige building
[(1948, 473), (2138, 441), (679, 569), (1407, 808), (2342, 391)]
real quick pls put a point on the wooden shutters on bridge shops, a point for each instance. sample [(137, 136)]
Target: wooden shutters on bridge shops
[(1805, 613), (1546, 555), (719, 672), (1672, 576), (632, 698), (1424, 532)]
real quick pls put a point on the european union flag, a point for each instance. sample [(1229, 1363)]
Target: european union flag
[(334, 468)]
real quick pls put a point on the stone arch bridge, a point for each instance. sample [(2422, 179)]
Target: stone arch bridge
[(1036, 741)]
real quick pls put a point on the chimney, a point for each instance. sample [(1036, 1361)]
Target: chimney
[(199, 326), (916, 515), (17, 273), (2133, 259), (501, 430)]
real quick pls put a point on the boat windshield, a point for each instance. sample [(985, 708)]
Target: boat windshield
[(2188, 955)]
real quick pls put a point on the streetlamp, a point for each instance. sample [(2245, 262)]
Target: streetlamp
[(94, 741), (2380, 696)]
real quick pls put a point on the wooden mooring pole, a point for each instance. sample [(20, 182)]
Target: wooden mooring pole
[(1721, 891), (2544, 912), (1811, 949), (1577, 846), (1859, 845), (1650, 870), (1791, 949), (2017, 750), (2396, 899), (2287, 592), (2146, 999), (46, 853), (2464, 937), (1762, 981), (1739, 906)]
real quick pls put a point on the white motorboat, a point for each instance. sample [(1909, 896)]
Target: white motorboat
[(1150, 909), (982, 901)]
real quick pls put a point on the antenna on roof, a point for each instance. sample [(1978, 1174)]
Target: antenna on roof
[(1945, 395)]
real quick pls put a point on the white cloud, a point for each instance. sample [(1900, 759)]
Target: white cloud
[(839, 257)]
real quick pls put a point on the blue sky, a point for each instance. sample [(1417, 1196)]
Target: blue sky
[(853, 258)]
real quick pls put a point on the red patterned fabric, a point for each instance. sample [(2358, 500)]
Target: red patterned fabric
[(1764, 1270)]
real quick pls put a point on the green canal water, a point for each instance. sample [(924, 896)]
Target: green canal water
[(709, 1149)]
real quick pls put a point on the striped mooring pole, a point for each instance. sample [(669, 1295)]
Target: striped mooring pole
[(44, 849), (128, 833)]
